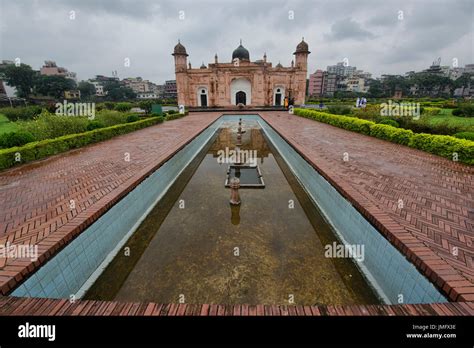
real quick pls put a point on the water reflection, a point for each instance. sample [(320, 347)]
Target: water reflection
[(190, 251)]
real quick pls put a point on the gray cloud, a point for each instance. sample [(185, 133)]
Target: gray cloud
[(348, 28), (105, 32)]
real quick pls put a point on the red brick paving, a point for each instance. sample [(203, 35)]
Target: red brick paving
[(437, 212), (437, 195), (35, 198), (17, 306)]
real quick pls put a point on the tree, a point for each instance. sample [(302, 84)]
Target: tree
[(21, 77), (431, 84), (146, 105), (117, 92), (53, 86), (87, 89), (392, 83), (376, 89), (464, 80)]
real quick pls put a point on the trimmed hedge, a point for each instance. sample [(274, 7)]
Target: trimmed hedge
[(430, 111), (132, 118), (173, 115), (441, 145), (44, 148), (346, 122), (465, 135), (17, 138), (389, 121), (390, 133)]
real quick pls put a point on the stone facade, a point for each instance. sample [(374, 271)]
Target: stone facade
[(241, 81)]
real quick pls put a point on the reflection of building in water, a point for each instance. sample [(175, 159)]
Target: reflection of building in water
[(252, 139)]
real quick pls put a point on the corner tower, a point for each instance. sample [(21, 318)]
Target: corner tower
[(180, 67), (301, 55)]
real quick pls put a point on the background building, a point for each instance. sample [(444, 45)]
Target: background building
[(170, 90), (100, 81), (315, 87), (51, 69), (341, 70)]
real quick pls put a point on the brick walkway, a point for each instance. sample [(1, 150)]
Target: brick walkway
[(35, 198), (437, 215), (51, 307), (437, 194)]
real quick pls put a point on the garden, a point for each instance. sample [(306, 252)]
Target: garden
[(34, 132), (447, 132), (442, 117)]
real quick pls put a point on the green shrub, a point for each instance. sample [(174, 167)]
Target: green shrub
[(429, 111), (15, 139), (171, 112), (445, 146), (349, 123), (339, 109), (146, 105), (21, 113), (390, 133), (94, 125), (465, 110), (448, 104), (44, 148), (465, 135), (389, 121), (123, 106), (48, 126), (441, 145), (132, 118), (109, 105), (111, 117), (423, 125)]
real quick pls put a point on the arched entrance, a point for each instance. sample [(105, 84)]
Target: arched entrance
[(240, 91), (202, 96), (241, 98), (278, 95)]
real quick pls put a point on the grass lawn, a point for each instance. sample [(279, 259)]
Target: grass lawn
[(445, 115), (6, 126)]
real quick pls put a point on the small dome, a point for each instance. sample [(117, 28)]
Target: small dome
[(179, 49), (279, 65), (241, 52), (302, 47), (203, 66)]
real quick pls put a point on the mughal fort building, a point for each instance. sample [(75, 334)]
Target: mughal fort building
[(241, 81)]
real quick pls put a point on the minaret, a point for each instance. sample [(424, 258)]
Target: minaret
[(301, 55), (180, 57), (180, 60), (298, 86)]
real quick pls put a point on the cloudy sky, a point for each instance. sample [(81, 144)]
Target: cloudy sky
[(96, 36)]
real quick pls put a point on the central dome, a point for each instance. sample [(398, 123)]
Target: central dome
[(241, 52)]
